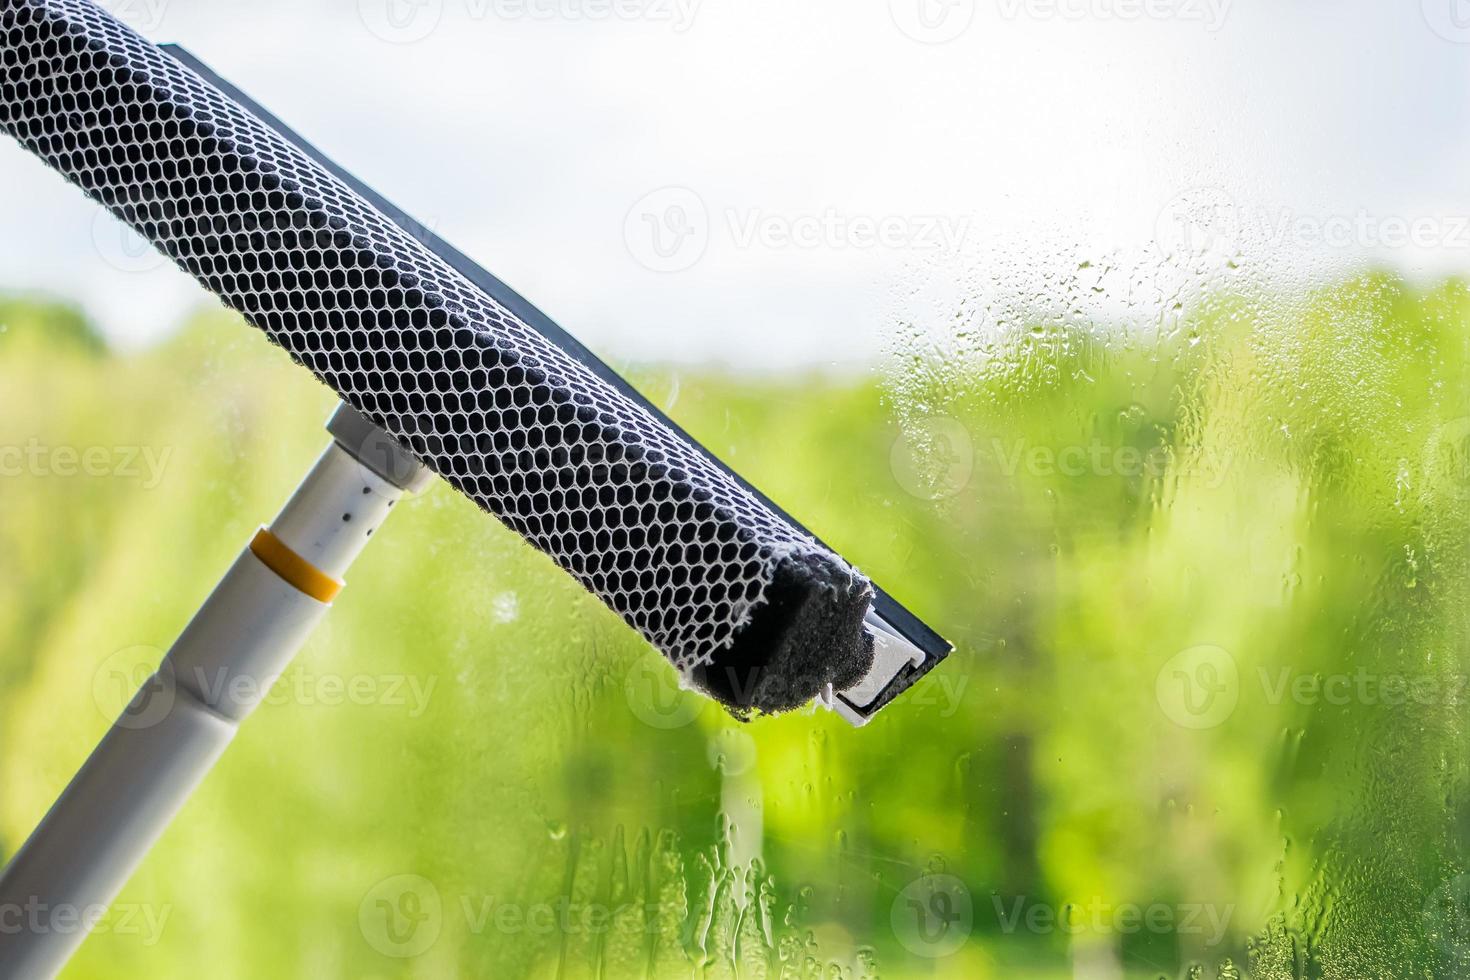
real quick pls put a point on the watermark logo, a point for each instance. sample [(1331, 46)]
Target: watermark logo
[(668, 230), (425, 231), (655, 697), (933, 459), (141, 15), (932, 21), (933, 916), (1198, 221), (401, 916), (1450, 19), (122, 247), (379, 456), (1447, 923), (400, 21), (1198, 688), (130, 690)]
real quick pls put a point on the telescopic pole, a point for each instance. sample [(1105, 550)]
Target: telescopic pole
[(66, 874)]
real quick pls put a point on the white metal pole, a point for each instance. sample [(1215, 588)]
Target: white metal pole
[(180, 721)]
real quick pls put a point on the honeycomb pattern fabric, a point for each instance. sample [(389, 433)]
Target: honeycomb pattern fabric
[(529, 433)]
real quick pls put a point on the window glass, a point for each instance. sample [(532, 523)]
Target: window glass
[(1127, 344)]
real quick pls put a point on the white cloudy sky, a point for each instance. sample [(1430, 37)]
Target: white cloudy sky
[(552, 139)]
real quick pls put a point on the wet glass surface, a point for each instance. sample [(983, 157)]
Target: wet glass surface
[(1157, 404), (1206, 707)]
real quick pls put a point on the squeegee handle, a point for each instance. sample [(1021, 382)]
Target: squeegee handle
[(180, 721)]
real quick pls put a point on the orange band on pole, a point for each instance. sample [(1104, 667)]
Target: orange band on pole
[(295, 570)]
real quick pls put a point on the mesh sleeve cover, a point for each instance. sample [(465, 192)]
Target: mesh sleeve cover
[(757, 613)]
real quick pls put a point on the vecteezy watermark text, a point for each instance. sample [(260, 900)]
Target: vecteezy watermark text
[(1201, 687), (1203, 220), (35, 458), (670, 229), (936, 458), (35, 916), (1101, 917), (409, 21), (942, 21), (139, 678), (1096, 458), (403, 915), (934, 915), (1211, 14)]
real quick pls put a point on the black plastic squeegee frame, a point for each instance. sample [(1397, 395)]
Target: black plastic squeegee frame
[(474, 380)]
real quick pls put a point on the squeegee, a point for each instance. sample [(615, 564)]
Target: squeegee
[(442, 370)]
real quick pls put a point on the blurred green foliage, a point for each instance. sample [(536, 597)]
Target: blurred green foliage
[(1206, 715)]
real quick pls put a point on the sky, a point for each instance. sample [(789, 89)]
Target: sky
[(754, 181)]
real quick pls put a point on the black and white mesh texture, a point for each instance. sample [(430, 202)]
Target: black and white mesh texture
[(685, 554)]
